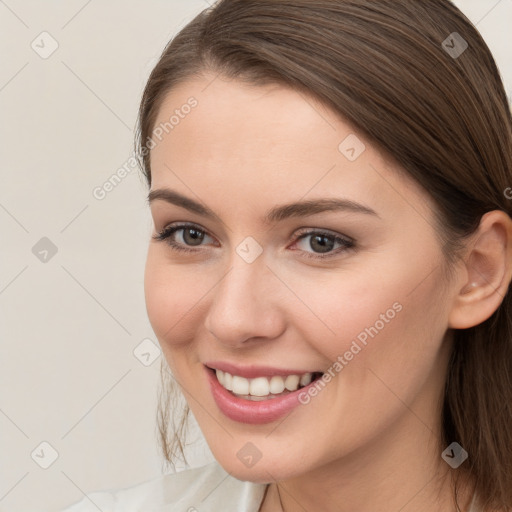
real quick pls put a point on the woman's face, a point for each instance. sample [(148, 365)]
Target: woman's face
[(355, 290)]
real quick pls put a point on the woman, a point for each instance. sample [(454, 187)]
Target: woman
[(330, 267)]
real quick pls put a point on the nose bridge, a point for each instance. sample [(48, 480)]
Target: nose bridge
[(242, 305)]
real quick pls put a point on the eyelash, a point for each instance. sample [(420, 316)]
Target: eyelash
[(167, 232)]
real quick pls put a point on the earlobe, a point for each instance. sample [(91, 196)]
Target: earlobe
[(488, 272)]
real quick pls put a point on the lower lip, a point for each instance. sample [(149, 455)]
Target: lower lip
[(249, 411)]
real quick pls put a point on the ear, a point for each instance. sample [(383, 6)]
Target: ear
[(488, 271)]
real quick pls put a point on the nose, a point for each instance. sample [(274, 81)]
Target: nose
[(246, 305)]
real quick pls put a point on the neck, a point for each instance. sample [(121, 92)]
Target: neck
[(419, 480)]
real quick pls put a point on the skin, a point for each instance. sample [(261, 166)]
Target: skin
[(370, 439)]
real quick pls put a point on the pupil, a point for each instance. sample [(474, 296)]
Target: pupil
[(322, 247), (197, 236)]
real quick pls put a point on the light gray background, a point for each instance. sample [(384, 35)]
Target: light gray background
[(69, 325)]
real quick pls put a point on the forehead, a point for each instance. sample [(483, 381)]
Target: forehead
[(233, 115), (265, 142)]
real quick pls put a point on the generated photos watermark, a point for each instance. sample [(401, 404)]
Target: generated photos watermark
[(357, 345), (100, 192)]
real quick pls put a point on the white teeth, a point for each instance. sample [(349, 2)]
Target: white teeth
[(228, 381), (240, 385), (261, 387), (305, 379), (276, 385), (292, 382)]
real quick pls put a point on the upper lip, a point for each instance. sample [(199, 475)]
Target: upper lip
[(253, 371)]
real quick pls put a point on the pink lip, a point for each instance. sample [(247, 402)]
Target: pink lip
[(253, 412), (251, 372)]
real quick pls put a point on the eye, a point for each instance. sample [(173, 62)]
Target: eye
[(190, 235), (323, 242)]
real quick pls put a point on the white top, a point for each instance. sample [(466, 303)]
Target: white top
[(205, 489)]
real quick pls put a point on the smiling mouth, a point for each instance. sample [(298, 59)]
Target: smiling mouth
[(263, 388)]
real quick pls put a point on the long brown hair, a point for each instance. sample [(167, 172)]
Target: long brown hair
[(389, 69)]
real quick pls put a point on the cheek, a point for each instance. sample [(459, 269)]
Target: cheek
[(173, 295), (339, 307), (381, 312)]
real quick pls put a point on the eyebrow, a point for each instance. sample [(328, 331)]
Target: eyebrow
[(275, 214)]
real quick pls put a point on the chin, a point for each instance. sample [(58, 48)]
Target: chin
[(264, 471)]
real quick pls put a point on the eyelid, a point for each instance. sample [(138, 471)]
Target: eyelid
[(347, 242), (322, 231), (170, 229)]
